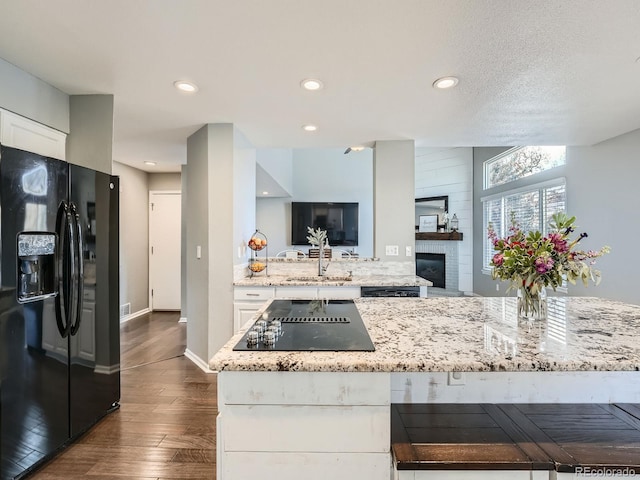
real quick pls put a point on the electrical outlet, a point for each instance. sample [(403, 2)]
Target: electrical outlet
[(391, 250), (497, 287), (456, 378), (407, 250)]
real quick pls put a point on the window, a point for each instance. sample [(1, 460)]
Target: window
[(521, 162), (532, 206)]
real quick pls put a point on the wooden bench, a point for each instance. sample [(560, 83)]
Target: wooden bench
[(513, 441)]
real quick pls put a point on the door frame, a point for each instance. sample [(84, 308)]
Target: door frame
[(151, 193)]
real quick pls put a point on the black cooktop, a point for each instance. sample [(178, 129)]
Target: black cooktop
[(308, 325)]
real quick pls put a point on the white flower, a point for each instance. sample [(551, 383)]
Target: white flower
[(317, 237)]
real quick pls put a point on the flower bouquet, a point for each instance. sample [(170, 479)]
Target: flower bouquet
[(532, 261)]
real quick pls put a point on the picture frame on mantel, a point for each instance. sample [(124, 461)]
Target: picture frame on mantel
[(428, 223)]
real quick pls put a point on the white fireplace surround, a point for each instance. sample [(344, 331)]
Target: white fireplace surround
[(450, 251)]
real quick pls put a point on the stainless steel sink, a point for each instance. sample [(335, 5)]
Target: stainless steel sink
[(320, 279)]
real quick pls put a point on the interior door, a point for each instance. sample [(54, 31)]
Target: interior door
[(164, 250)]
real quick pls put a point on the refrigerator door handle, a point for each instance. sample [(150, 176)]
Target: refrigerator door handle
[(79, 280), (62, 298)]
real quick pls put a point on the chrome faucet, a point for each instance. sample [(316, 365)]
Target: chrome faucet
[(321, 269)]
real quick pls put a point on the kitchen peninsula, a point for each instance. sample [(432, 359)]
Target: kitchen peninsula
[(342, 279), (326, 414)]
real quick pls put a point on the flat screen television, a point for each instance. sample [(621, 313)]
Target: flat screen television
[(340, 220)]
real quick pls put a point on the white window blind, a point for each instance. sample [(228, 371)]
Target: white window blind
[(532, 206)]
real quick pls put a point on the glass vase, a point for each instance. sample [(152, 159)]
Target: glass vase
[(532, 306)]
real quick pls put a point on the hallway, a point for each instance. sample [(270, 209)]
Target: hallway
[(165, 427)]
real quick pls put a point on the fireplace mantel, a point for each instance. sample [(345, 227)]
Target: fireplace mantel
[(439, 236)]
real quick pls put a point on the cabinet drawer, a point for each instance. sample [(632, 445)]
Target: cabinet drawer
[(339, 293), (297, 293), (253, 293)]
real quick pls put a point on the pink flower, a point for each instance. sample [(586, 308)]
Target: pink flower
[(498, 259), (543, 264), (560, 245)]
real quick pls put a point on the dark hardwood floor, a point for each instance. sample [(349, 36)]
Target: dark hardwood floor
[(165, 427)]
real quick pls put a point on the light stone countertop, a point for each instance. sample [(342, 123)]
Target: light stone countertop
[(469, 334), (339, 280)]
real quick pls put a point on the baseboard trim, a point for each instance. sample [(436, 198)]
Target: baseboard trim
[(107, 369), (204, 366), (133, 315), (182, 320)]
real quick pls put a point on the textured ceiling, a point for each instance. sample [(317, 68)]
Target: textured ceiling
[(531, 72)]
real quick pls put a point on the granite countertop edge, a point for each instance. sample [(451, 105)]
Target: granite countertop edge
[(455, 334), (356, 281)]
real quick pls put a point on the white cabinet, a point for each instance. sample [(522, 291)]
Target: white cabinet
[(297, 293), (303, 425), (338, 293), (313, 292), (247, 301), (20, 132)]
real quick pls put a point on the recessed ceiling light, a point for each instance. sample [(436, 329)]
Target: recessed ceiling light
[(309, 128), (150, 163), (445, 82), (265, 193), (356, 148), (311, 84), (185, 86)]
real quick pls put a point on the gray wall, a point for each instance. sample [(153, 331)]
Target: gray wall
[(393, 197), (220, 217), (601, 181), (183, 244), (165, 181), (134, 236), (26, 95), (197, 224), (90, 141)]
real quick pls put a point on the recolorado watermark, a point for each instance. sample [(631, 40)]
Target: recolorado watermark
[(603, 472)]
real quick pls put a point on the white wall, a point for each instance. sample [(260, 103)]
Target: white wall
[(322, 175), (449, 171), (279, 163), (134, 236)]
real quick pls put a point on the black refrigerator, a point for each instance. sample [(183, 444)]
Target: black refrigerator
[(59, 305)]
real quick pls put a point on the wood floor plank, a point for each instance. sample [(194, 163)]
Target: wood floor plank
[(193, 455), (174, 470), (188, 442), (165, 427)]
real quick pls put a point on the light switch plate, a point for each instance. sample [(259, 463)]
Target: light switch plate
[(391, 250)]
